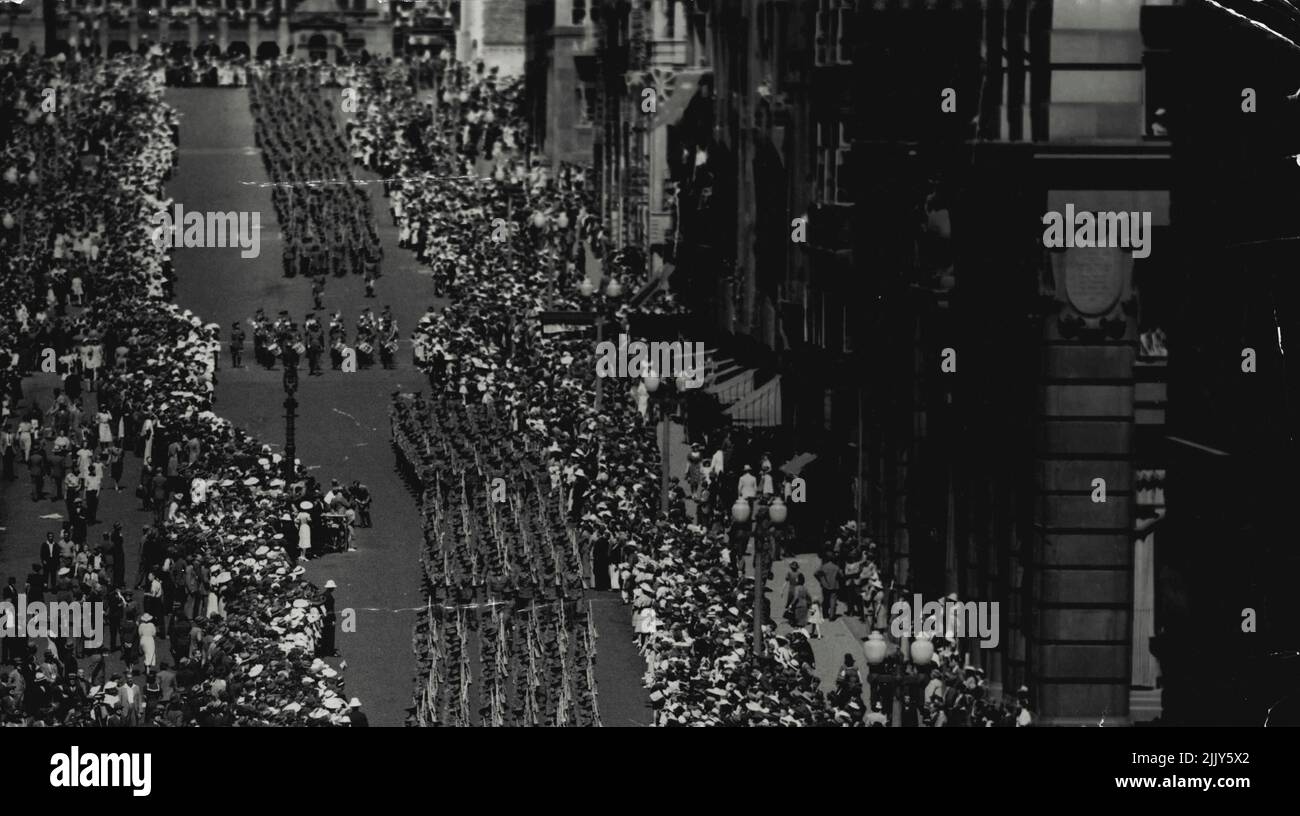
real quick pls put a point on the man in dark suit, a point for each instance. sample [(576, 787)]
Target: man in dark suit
[(356, 716), (36, 467), (327, 648), (8, 652), (49, 558)]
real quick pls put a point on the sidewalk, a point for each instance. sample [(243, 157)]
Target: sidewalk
[(26, 522), (839, 637)]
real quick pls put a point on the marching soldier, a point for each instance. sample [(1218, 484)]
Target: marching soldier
[(236, 345), (315, 346)]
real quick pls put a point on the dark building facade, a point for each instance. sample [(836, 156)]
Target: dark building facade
[(558, 78)]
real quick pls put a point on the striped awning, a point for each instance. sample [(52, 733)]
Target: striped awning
[(761, 408)]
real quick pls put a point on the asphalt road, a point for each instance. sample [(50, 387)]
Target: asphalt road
[(343, 418)]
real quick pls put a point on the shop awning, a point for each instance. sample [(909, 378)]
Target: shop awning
[(685, 85), (761, 408)]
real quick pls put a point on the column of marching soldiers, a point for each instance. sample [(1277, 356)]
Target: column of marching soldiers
[(328, 227)]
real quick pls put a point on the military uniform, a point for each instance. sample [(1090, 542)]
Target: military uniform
[(236, 346)]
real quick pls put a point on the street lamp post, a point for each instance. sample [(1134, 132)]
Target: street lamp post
[(776, 514), (290, 418), (740, 514), (889, 685)]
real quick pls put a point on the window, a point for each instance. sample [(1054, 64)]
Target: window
[(834, 175), (579, 11), (844, 32), (835, 32), (586, 105), (824, 35), (843, 173), (820, 192)]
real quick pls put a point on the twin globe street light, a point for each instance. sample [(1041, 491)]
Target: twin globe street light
[(741, 513)]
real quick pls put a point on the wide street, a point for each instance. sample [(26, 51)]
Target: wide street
[(342, 429)]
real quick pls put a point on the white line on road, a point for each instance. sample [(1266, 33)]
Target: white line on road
[(349, 416)]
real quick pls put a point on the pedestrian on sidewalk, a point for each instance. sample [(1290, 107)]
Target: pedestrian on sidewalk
[(93, 481), (747, 485), (852, 582), (129, 633), (147, 633), (9, 444), (799, 604), (815, 620), (36, 468), (828, 576), (116, 461), (791, 580), (49, 559), (848, 684), (118, 546), (114, 612)]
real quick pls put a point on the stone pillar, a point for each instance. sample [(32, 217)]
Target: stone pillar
[(1079, 631)]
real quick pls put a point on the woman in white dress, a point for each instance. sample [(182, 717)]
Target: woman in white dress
[(25, 439), (216, 605), (146, 431), (105, 421), (148, 648), (304, 531), (93, 360)]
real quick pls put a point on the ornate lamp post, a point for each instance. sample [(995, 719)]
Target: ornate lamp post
[(889, 677), (290, 417), (741, 514), (776, 515)]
